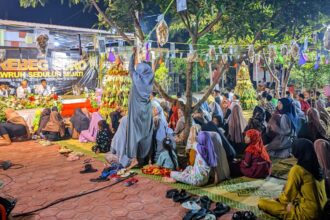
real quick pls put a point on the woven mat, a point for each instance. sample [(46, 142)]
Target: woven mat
[(240, 193), (281, 167)]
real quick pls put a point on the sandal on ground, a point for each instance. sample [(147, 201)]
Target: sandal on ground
[(201, 214), (191, 205), (210, 217), (64, 150), (205, 202), (181, 197), (170, 193), (190, 214), (88, 169), (220, 209), (130, 182), (244, 215), (115, 177), (99, 180)]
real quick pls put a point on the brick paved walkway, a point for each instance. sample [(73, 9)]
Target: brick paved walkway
[(47, 176)]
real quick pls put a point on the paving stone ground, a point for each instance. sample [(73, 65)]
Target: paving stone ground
[(48, 176)]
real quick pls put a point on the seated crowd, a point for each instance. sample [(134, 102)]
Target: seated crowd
[(221, 144)]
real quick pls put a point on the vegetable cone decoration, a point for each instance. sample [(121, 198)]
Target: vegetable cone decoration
[(244, 88)]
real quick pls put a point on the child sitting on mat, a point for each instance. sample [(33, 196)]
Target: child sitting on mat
[(103, 138), (168, 158)]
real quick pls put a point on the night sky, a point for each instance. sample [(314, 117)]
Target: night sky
[(53, 13)]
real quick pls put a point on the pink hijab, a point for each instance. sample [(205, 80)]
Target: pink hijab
[(90, 134)]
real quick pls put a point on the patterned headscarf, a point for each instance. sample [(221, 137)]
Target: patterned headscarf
[(256, 146)]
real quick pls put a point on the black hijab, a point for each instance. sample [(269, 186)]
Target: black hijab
[(303, 150), (258, 120), (79, 120), (115, 117)]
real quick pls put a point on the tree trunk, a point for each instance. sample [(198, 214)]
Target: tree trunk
[(286, 78), (188, 106)]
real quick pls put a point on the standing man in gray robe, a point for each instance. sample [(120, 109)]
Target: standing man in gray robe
[(140, 117)]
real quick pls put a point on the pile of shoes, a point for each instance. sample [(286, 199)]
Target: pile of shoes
[(199, 207), (244, 215)]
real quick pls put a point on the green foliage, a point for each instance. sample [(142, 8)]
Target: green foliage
[(179, 65), (307, 77), (200, 75), (3, 107), (161, 76)]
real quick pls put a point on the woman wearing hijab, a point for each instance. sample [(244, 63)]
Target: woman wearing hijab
[(90, 134), (192, 142), (161, 131), (226, 110), (235, 128), (215, 126), (324, 115), (214, 107), (313, 129), (304, 194), (198, 117), (258, 120), (140, 119), (206, 159), (44, 118), (115, 117), (256, 162), (300, 115), (283, 129), (322, 150), (222, 171), (14, 128), (54, 129), (80, 122), (178, 132), (117, 152)]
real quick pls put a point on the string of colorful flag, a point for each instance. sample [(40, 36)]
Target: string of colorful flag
[(275, 53)]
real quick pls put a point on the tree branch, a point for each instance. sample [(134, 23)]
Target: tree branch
[(138, 27), (159, 87), (208, 27), (258, 34), (186, 24), (210, 89), (112, 23), (271, 72)]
